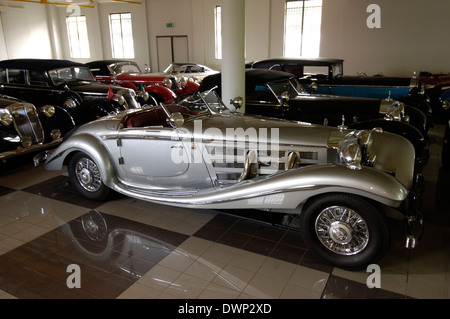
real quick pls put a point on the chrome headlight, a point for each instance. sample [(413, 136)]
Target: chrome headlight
[(48, 110), (394, 110), (6, 119), (170, 82), (350, 152), (127, 99), (365, 138), (183, 82), (121, 100), (55, 134), (351, 156)]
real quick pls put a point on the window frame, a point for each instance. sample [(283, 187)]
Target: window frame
[(79, 40), (218, 32), (304, 8), (124, 41)]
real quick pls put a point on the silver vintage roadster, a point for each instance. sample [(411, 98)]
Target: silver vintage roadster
[(198, 154)]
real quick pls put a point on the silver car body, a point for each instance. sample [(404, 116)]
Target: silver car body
[(137, 161), (194, 155)]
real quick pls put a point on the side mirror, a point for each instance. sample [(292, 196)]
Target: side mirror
[(237, 102), (313, 87), (176, 119), (284, 97)]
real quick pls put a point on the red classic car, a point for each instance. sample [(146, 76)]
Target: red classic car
[(162, 87)]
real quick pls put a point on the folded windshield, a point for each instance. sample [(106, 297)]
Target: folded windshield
[(63, 75), (204, 103), (119, 68), (291, 86)]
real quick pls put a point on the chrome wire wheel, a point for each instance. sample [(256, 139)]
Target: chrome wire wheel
[(342, 230), (88, 174), (94, 225)]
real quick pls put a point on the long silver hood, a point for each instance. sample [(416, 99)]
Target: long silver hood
[(261, 128)]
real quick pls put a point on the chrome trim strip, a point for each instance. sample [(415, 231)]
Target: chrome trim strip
[(18, 152)]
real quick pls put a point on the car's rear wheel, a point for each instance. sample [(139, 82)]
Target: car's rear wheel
[(85, 176), (344, 230)]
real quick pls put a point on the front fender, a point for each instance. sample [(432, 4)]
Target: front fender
[(403, 129), (87, 144), (165, 94), (300, 184), (61, 120)]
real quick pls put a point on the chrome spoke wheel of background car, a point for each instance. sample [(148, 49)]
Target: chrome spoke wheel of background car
[(345, 230), (86, 177), (342, 230)]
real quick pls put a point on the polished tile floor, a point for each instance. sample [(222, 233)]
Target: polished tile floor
[(51, 240)]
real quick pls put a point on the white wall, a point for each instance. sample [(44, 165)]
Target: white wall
[(160, 12), (60, 14), (412, 36), (258, 23), (3, 51), (139, 20), (25, 30)]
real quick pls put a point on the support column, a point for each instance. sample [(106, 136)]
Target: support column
[(233, 51)]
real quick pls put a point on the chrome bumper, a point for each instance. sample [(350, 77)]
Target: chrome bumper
[(5, 156), (414, 217)]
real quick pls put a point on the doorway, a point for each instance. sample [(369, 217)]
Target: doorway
[(171, 48)]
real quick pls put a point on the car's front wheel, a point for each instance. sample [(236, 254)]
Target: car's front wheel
[(85, 176), (344, 230)]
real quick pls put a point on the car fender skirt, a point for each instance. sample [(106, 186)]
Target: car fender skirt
[(287, 189)]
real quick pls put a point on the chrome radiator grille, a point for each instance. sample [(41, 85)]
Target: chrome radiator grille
[(26, 122)]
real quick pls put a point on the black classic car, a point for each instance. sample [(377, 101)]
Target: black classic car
[(326, 76), (24, 129), (279, 94), (65, 83)]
